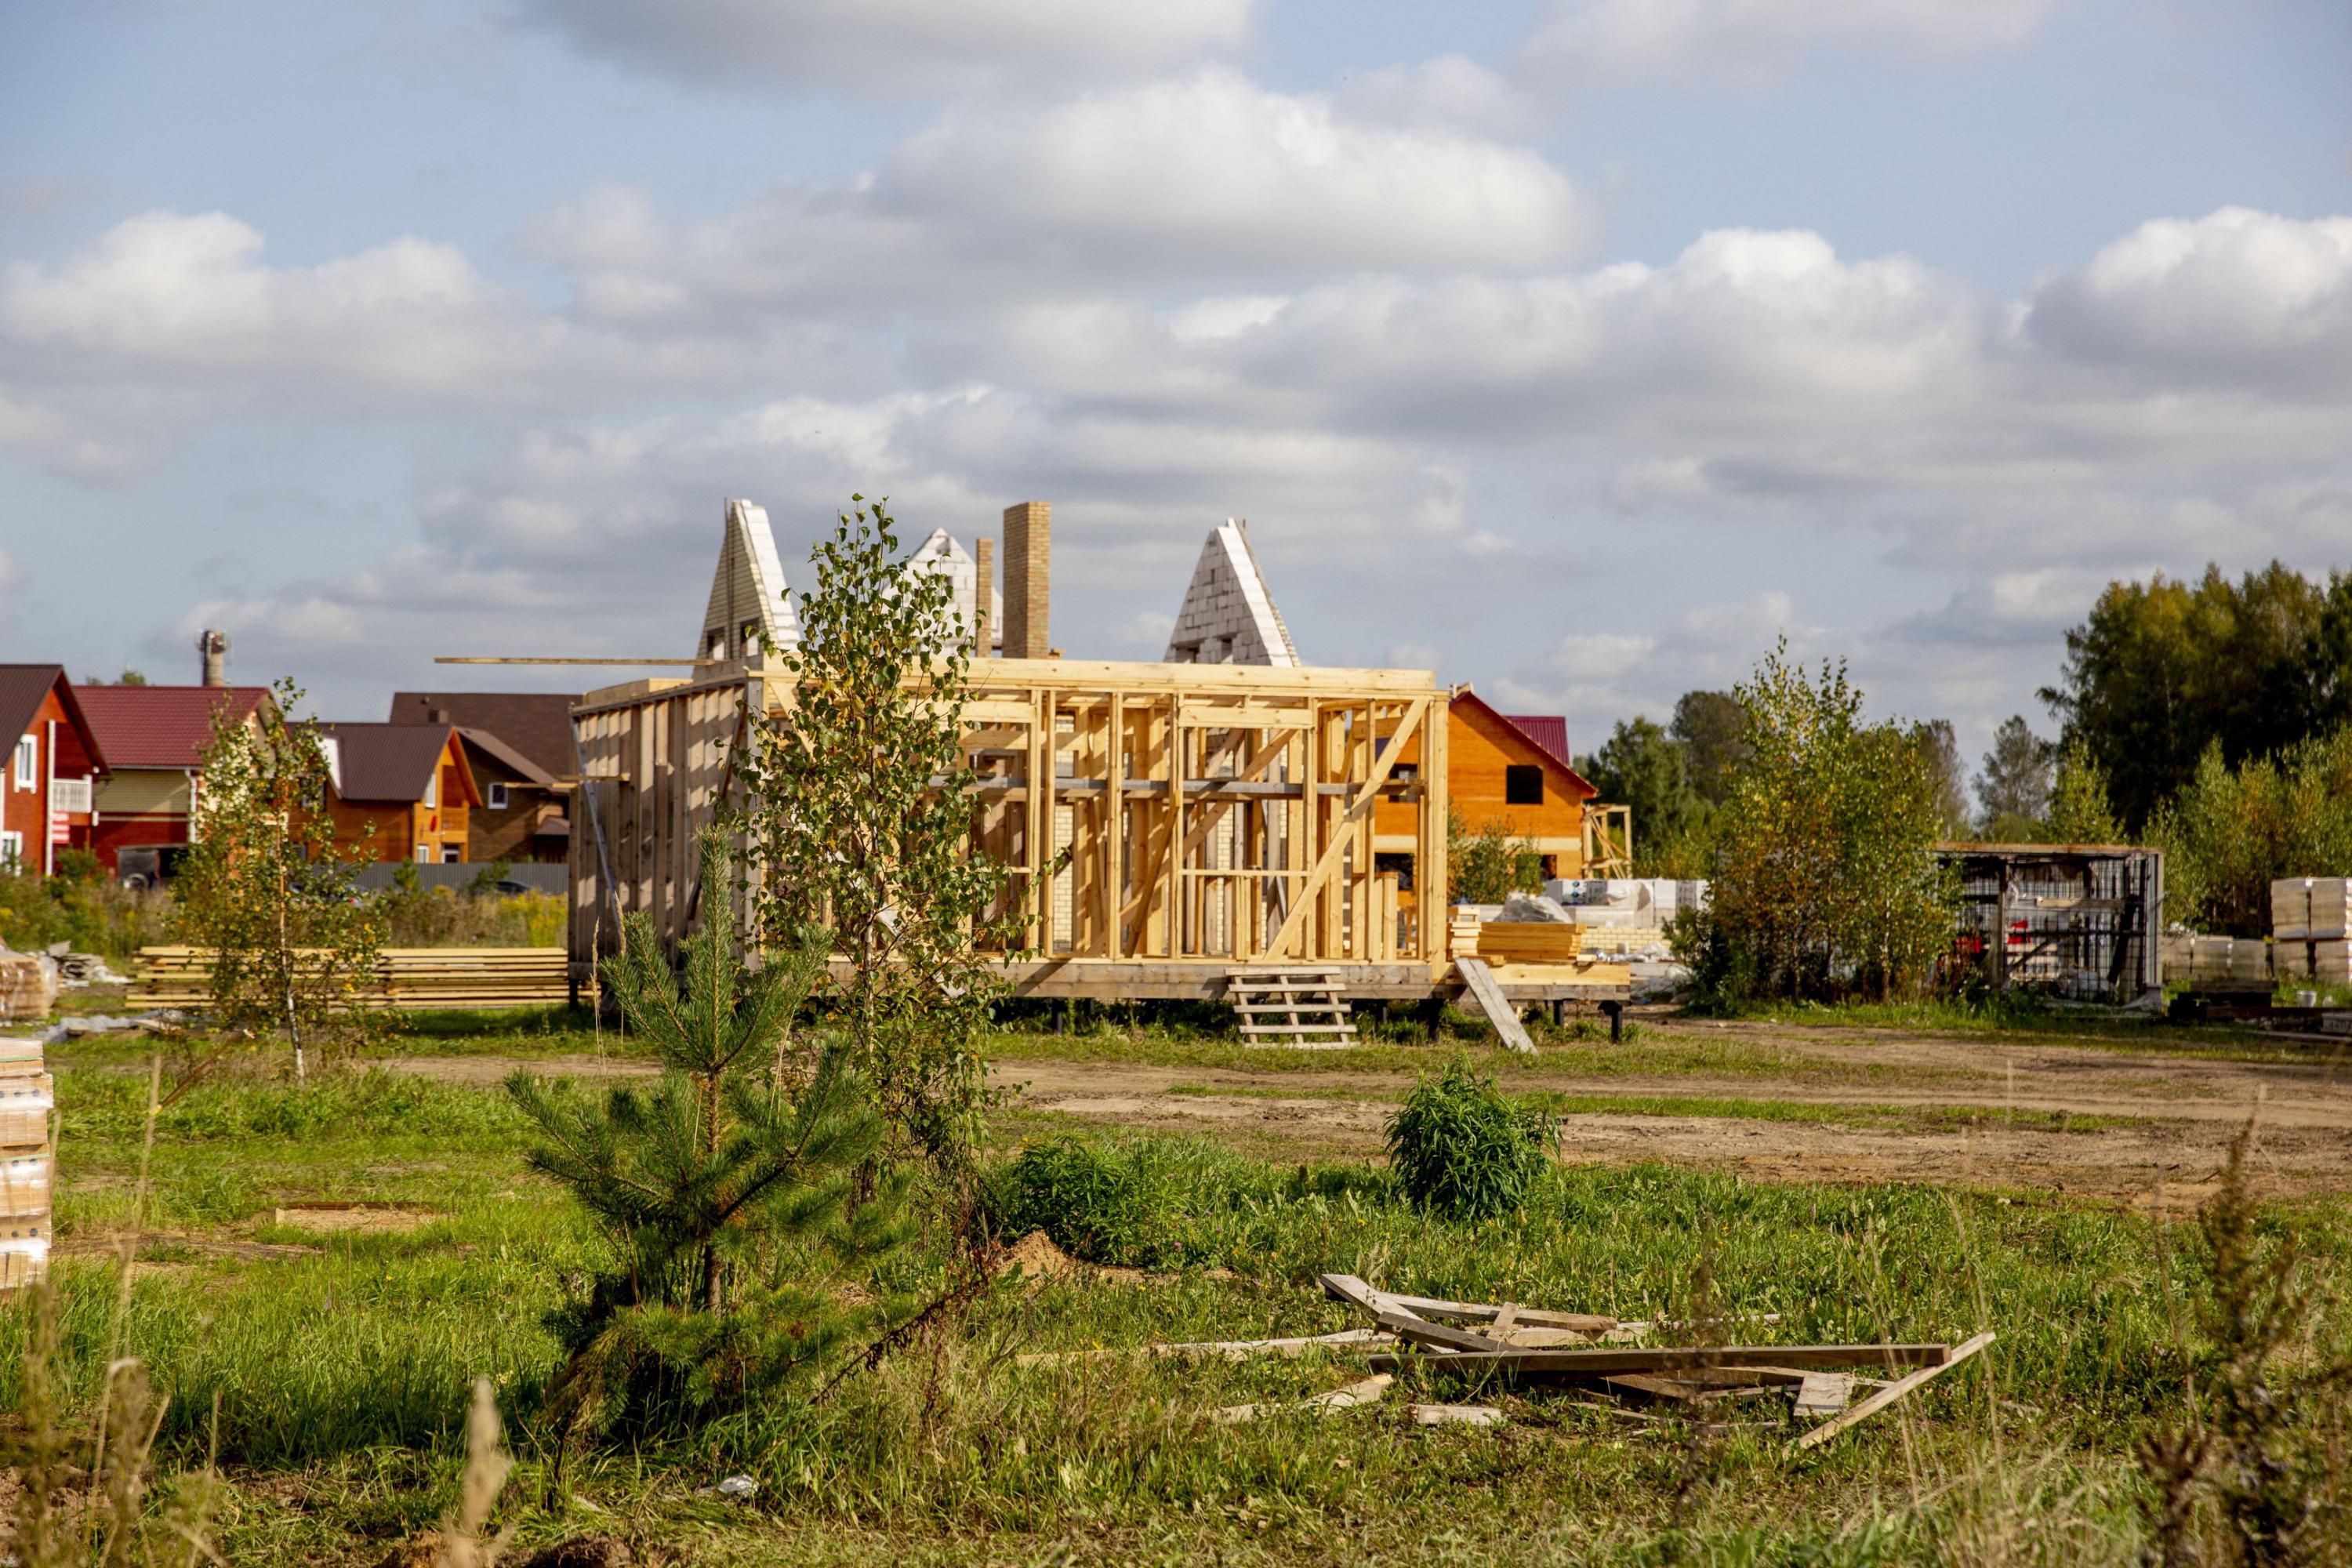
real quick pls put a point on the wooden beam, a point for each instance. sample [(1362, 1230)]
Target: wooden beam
[(1893, 1391), (1365, 796)]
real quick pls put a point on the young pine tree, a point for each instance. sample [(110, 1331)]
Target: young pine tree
[(725, 1189)]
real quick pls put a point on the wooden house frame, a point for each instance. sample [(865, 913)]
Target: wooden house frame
[(1265, 857)]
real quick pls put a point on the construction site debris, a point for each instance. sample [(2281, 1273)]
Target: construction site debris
[(1354, 1396), (1457, 1415), (29, 986)]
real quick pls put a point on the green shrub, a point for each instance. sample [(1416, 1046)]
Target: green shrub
[(1121, 1203), (1463, 1148)]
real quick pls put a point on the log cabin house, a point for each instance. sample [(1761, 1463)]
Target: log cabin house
[(518, 744), (408, 785)]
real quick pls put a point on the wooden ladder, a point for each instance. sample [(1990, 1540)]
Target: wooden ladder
[(1303, 1008)]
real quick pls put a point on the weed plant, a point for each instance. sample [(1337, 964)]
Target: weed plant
[(1463, 1148)]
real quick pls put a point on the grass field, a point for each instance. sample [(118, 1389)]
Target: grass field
[(339, 1345)]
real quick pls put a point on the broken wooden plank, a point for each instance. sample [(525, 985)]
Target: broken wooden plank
[(1442, 1336), (1480, 1312), (1823, 1394), (1899, 1389), (1353, 1396), (1603, 1360), (1499, 1012), (1457, 1415)]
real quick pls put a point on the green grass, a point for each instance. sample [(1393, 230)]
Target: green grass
[(340, 1371)]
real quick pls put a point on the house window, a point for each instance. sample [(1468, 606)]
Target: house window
[(12, 851), (28, 761), (433, 792), (1523, 785), (424, 854), (497, 800), (449, 853)]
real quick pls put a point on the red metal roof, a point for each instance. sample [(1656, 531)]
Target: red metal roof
[(1547, 730), (162, 726)]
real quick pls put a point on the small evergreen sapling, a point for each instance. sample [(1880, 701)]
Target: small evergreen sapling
[(726, 1191)]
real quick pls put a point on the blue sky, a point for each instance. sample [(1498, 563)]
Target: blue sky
[(1579, 348)]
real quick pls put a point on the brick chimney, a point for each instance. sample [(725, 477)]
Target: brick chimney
[(983, 596), (1028, 568), (213, 645)]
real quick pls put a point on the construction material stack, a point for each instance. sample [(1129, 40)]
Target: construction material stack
[(28, 1164), (2311, 929)]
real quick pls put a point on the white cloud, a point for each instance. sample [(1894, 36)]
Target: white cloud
[(1181, 184), (2236, 296), (894, 47), (1600, 40)]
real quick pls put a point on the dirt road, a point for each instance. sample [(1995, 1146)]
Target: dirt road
[(1804, 1103), (2154, 1127)]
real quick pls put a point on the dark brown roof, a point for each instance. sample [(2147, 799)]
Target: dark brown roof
[(536, 723), (505, 757), (386, 761), (24, 686), (162, 726)]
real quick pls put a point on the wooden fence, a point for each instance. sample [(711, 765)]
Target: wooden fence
[(411, 978)]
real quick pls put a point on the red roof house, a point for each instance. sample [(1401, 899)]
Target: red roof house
[(153, 738), (48, 779)]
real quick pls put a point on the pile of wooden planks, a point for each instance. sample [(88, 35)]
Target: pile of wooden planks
[(28, 1164), (410, 978), (1516, 942), (1519, 1344), (1596, 1358)]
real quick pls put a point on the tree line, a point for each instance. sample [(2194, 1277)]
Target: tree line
[(2212, 719)]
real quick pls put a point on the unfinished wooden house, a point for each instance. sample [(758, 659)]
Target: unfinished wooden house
[(1218, 819)]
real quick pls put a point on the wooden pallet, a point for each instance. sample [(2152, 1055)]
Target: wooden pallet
[(1302, 1008)]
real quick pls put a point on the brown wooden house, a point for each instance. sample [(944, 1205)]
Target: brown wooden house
[(1501, 768), (518, 744), (410, 784)]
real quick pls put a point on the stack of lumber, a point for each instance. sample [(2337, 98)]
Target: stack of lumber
[(412, 978), (28, 986), (28, 1094), (1514, 942), (1527, 942)]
